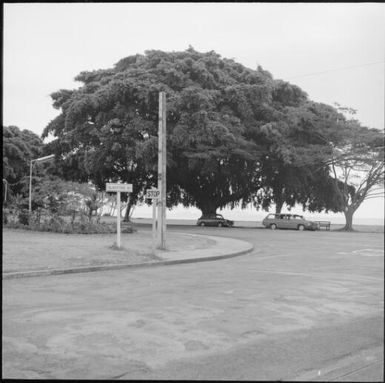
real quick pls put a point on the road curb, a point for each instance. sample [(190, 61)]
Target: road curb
[(86, 269)]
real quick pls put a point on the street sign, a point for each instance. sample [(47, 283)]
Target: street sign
[(125, 188), (118, 188), (152, 193)]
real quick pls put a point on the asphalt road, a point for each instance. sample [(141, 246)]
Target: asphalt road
[(305, 306)]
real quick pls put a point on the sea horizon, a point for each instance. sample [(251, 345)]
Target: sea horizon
[(188, 214)]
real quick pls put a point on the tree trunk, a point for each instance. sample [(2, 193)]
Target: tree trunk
[(278, 206), (112, 207), (208, 209), (73, 216), (349, 220), (128, 212)]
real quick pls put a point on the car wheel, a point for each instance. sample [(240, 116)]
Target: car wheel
[(220, 224), (202, 224), (301, 227), (273, 226)]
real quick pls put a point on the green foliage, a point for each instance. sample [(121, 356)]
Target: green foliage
[(357, 165), (58, 225), (107, 130), (296, 143), (234, 135), (19, 147), (53, 217), (58, 197), (23, 217)]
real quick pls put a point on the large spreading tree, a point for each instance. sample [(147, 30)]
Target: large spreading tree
[(234, 135), (107, 129)]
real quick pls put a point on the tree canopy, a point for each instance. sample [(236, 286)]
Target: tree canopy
[(19, 147), (234, 135), (358, 169), (296, 142)]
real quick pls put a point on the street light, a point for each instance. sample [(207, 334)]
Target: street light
[(41, 159)]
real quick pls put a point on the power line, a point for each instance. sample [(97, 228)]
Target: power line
[(335, 70)]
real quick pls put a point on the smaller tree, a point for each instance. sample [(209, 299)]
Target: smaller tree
[(19, 147), (358, 172)]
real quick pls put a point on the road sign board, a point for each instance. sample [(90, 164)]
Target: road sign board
[(125, 188), (152, 193)]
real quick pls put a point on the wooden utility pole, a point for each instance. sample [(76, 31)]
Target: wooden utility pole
[(118, 220), (162, 172)]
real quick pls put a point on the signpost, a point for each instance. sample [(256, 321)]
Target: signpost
[(153, 194), (118, 188), (125, 188)]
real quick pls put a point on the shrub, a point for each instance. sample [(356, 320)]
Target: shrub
[(57, 224), (16, 225), (127, 227), (23, 217), (5, 216)]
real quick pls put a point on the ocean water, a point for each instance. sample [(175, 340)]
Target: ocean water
[(252, 215)]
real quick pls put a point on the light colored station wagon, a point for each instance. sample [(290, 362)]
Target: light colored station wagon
[(289, 221)]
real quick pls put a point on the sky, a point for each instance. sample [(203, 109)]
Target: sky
[(334, 52)]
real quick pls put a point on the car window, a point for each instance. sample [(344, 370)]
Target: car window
[(271, 216), (219, 216)]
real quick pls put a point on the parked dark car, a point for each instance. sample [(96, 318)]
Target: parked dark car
[(214, 220), (289, 221)]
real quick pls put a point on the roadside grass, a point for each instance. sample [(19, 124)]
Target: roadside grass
[(30, 250)]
